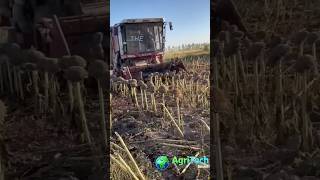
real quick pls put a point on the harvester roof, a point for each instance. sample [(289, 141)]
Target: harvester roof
[(142, 20)]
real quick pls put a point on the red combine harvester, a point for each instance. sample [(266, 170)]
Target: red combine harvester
[(60, 36), (66, 33), (137, 47), (84, 33)]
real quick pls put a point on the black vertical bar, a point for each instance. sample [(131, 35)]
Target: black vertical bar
[(212, 30), (212, 154), (108, 105)]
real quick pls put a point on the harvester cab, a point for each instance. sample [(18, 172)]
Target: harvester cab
[(137, 47)]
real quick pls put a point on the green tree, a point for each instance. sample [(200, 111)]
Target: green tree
[(206, 47)]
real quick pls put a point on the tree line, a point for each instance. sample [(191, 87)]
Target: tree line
[(193, 46)]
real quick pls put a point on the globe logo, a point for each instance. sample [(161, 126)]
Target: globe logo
[(162, 163)]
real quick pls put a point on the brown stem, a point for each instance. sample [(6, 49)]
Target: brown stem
[(46, 91), (1, 80), (20, 86), (9, 76), (82, 114), (70, 94), (103, 117)]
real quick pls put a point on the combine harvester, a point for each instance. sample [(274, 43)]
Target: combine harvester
[(67, 28), (137, 47)]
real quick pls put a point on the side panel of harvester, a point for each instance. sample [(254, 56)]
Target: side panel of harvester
[(115, 47)]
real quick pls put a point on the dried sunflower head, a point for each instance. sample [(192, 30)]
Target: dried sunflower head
[(299, 37), (237, 34), (233, 28), (232, 47), (133, 83), (304, 63), (223, 36), (4, 58), (67, 61), (51, 65), (30, 66), (260, 35), (163, 89), (34, 56), (177, 93), (278, 52), (274, 41), (151, 88), (312, 37), (255, 50), (98, 69), (76, 73)]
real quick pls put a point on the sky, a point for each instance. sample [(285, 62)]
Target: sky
[(190, 18)]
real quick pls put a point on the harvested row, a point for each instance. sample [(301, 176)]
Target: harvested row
[(55, 90), (267, 94), (159, 116)]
